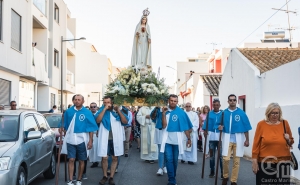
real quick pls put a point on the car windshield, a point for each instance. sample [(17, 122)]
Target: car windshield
[(53, 120), (9, 128)]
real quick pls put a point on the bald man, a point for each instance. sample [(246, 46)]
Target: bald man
[(190, 154)]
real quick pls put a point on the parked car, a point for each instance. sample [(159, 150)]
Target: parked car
[(53, 120), (27, 147)]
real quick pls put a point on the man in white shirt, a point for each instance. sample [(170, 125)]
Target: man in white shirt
[(190, 154), (127, 133)]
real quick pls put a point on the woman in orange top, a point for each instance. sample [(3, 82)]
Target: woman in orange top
[(271, 148)]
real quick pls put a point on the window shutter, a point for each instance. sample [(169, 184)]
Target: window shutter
[(4, 92), (15, 30)]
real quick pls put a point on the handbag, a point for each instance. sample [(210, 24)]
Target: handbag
[(294, 161)]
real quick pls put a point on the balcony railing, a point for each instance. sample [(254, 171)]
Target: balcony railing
[(41, 5), (70, 77), (70, 36)]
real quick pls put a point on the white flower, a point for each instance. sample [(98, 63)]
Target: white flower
[(149, 90)]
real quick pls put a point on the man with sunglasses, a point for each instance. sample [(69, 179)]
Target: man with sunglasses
[(235, 137), (190, 154), (13, 105), (94, 158)]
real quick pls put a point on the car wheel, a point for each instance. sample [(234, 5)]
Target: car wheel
[(51, 171), (21, 178)]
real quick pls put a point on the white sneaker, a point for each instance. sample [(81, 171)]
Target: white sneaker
[(160, 172), (78, 183), (70, 183), (165, 170)]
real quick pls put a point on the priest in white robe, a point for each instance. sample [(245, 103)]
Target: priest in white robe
[(149, 150), (190, 154)]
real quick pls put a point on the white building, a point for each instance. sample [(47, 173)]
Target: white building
[(31, 53), (259, 76), (92, 73), (201, 86)]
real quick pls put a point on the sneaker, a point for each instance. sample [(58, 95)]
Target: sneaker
[(165, 170), (224, 181), (108, 172), (160, 172), (111, 181), (103, 180), (233, 183), (126, 155), (212, 174), (151, 161), (182, 161), (191, 163), (116, 171), (94, 165), (84, 176), (78, 183), (70, 183)]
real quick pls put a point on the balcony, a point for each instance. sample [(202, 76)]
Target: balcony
[(41, 5), (39, 66), (70, 82)]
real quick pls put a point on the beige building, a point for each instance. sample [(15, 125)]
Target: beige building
[(31, 53), (92, 73)]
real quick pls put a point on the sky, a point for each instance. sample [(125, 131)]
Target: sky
[(179, 28)]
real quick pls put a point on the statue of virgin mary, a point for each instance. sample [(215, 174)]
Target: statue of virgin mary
[(141, 50)]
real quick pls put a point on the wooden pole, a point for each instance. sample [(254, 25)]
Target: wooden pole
[(59, 151), (219, 151), (204, 151)]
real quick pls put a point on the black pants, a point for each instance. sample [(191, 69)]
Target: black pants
[(273, 174)]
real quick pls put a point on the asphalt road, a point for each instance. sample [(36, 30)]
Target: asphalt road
[(134, 171)]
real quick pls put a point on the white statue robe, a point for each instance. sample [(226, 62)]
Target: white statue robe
[(190, 154), (149, 150), (141, 50), (118, 138)]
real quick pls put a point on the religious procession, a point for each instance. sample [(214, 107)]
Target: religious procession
[(142, 131)]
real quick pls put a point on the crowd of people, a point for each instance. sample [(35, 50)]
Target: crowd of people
[(168, 134)]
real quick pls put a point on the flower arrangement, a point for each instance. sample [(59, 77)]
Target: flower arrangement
[(143, 87)]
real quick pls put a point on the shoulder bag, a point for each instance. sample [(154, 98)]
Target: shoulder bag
[(294, 161)]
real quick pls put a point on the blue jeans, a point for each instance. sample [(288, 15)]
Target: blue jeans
[(161, 158), (110, 161), (171, 155), (213, 145)]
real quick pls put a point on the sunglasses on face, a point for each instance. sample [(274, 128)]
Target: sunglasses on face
[(92, 107), (14, 105), (231, 100), (187, 106)]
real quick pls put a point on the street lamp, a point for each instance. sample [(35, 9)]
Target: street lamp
[(61, 68), (171, 68)]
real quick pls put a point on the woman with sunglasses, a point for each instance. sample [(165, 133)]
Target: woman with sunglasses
[(271, 148)]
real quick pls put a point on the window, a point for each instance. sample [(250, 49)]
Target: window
[(42, 123), (242, 102), (30, 124), (26, 94), (41, 5), (56, 58), (52, 103), (4, 91), (56, 13), (16, 30), (1, 4)]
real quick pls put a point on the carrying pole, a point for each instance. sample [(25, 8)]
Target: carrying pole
[(219, 151), (59, 151), (204, 151)]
